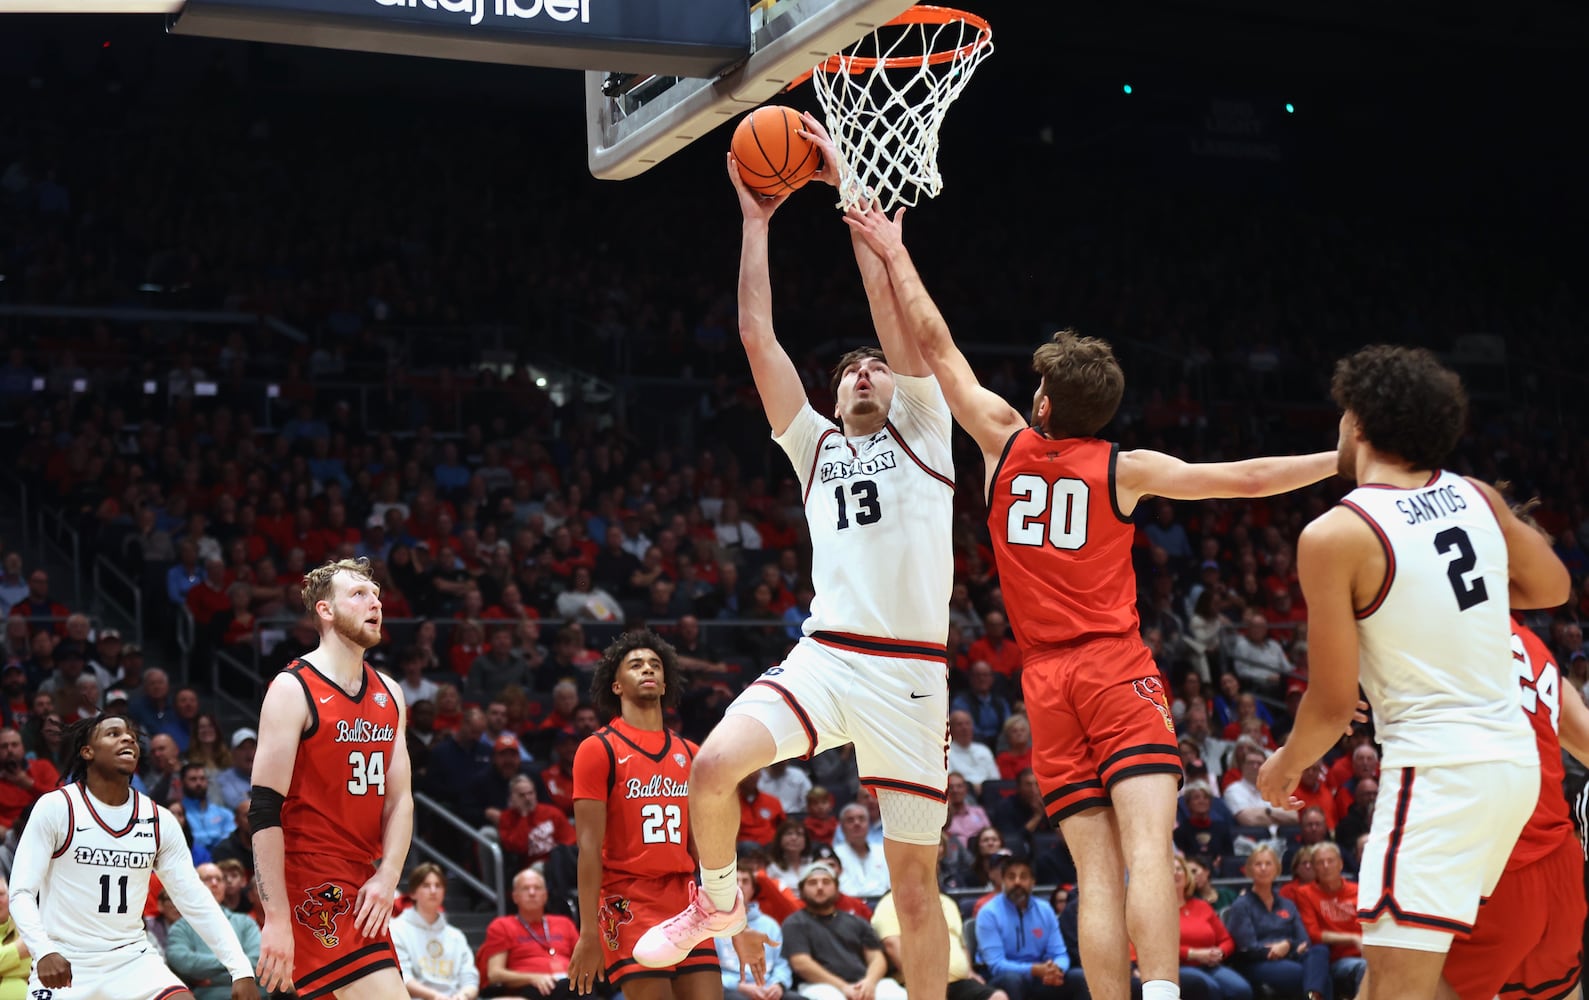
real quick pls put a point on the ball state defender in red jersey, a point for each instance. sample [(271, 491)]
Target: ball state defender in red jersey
[(332, 812), (1526, 940), (1059, 506), (632, 811)]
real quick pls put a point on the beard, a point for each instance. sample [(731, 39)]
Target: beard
[(353, 630), (1018, 897)]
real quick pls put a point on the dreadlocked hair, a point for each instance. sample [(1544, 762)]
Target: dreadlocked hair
[(79, 734)]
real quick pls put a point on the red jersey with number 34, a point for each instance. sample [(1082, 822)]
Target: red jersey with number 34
[(338, 791), (1062, 547), (1551, 822), (644, 777)]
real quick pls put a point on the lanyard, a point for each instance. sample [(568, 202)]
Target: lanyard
[(545, 940)]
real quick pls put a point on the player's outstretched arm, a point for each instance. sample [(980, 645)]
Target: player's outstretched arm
[(1330, 554), (984, 414), (777, 381), (1143, 473), (47, 831), (1538, 577), (373, 907), (174, 865), (586, 965), (282, 719)]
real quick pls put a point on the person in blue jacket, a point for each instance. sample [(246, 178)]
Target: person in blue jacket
[(1019, 942)]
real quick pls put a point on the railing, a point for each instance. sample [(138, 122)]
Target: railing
[(238, 669), (490, 851), (104, 570), (18, 490), (67, 543)]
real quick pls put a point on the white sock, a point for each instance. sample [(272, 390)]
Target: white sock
[(1160, 989), (721, 885)]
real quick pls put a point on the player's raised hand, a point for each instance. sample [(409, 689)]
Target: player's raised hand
[(373, 905), (245, 989), (832, 170), (585, 965), (754, 206), (275, 956), (884, 235), (54, 971), (751, 947)]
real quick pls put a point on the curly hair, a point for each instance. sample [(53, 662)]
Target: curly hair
[(80, 733), (1406, 403), (601, 694), (1082, 382)]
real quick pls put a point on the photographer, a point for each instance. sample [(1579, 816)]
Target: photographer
[(21, 781)]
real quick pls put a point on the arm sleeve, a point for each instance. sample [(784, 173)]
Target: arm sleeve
[(496, 941), (174, 865), (187, 956), (47, 830), (800, 439)]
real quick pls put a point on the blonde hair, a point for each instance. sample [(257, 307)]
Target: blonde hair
[(1263, 849), (318, 582)]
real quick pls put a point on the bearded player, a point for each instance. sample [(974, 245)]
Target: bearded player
[(332, 812)]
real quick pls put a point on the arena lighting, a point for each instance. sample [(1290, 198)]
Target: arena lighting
[(1126, 88), (150, 387), (272, 391), (1290, 108)]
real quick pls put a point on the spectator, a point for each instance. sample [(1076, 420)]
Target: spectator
[(778, 979), (1017, 753), (15, 962), (239, 895), (820, 823), (13, 585), (565, 699), (499, 723), (236, 781), (165, 779), (1018, 939), (1217, 896), (209, 822), (1272, 947), (587, 602), (865, 872), (988, 710), (22, 781), (190, 958), (996, 648), (1246, 805), (790, 851), (987, 854), (185, 575), (973, 760), (1313, 791), (558, 778), (154, 712), (434, 956), (964, 984), (759, 814), (1361, 814), (966, 818), (1302, 873), (43, 612), (1311, 830), (1365, 767), (1329, 909), (527, 952), (834, 955), (1211, 750), (788, 783), (497, 668), (239, 844), (1020, 817), (208, 748), (528, 829), (1248, 711), (1259, 660), (1202, 832), (1206, 945), (416, 687)]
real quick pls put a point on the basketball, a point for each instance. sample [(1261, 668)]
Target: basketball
[(773, 156)]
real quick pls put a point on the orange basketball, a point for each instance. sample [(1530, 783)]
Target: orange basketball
[(773, 156)]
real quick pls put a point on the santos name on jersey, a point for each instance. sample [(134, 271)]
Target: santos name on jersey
[(1436, 641), (880, 509)]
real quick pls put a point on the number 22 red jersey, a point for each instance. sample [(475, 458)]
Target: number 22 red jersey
[(1551, 822), (1062, 547), (644, 777), (338, 790)]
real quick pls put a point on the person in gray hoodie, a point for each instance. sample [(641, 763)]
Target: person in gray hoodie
[(436, 961)]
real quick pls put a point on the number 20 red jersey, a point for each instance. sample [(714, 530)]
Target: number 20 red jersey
[(1062, 548), (338, 790), (644, 777)]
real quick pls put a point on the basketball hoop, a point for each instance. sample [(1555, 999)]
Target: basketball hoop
[(884, 99)]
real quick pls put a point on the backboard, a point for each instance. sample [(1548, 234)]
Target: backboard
[(634, 122)]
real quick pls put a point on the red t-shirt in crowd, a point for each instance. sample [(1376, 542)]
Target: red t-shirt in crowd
[(1330, 911), (1202, 928), (532, 946), (14, 798), (536, 833), (759, 816)]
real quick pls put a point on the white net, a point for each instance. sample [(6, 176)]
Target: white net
[(884, 100)]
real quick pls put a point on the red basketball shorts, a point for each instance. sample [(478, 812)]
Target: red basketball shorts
[(1528, 935), (629, 907), (327, 952), (1099, 714)]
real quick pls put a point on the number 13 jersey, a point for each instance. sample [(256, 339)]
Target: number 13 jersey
[(644, 777), (880, 511), (338, 792), (1435, 641)]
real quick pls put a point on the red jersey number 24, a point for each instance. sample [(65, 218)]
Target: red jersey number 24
[(1063, 503)]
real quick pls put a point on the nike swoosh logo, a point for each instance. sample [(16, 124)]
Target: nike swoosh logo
[(327, 698), (84, 829), (915, 695), (625, 759)]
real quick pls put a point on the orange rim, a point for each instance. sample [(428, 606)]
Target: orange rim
[(919, 14)]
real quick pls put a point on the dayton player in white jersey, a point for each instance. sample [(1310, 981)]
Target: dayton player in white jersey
[(81, 879), (1408, 583), (871, 667)]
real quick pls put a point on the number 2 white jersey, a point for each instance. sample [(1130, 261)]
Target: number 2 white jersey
[(879, 510), (1436, 655)]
